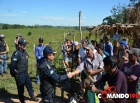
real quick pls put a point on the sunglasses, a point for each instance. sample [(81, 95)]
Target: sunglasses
[(87, 49)]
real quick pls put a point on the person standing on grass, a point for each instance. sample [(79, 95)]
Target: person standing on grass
[(4, 49), (48, 76), (16, 41), (19, 70), (39, 54)]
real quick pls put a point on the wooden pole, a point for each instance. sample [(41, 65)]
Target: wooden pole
[(73, 52), (80, 25), (34, 48), (64, 36)]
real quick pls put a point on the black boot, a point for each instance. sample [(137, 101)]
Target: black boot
[(33, 98)]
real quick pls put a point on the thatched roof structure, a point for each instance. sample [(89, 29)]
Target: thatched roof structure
[(131, 27)]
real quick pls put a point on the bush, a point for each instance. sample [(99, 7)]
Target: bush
[(29, 33)]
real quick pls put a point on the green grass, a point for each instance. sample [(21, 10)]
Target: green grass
[(7, 83)]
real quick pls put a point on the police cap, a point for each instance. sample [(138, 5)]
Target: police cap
[(22, 41), (48, 50)]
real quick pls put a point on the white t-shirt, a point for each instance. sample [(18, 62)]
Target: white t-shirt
[(82, 53)]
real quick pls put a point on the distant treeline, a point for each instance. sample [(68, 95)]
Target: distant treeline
[(18, 26)]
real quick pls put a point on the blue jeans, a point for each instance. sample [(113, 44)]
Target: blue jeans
[(37, 76), (3, 63)]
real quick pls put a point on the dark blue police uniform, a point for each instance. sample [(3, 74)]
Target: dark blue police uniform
[(48, 77), (19, 70)]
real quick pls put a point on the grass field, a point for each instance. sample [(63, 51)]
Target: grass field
[(53, 35)]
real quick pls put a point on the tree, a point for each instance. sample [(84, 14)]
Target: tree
[(5, 26), (120, 13), (108, 20), (133, 2)]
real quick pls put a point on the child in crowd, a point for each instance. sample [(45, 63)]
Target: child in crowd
[(90, 97)]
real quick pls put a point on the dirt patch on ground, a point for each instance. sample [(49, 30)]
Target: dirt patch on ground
[(16, 100)]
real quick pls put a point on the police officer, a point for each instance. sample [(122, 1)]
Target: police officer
[(4, 49), (19, 70), (48, 76), (39, 54)]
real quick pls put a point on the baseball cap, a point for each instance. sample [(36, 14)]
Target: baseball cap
[(75, 43), (22, 41), (90, 46), (18, 35), (41, 39), (48, 50), (134, 51), (123, 43), (107, 37), (84, 40)]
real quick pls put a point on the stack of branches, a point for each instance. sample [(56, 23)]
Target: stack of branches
[(134, 14), (126, 30)]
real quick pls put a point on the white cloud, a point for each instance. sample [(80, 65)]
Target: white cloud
[(24, 11)]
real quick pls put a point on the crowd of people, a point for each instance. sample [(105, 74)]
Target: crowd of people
[(117, 64)]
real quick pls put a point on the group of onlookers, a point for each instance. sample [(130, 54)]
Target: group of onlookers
[(117, 63)]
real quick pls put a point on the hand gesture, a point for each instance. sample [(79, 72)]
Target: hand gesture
[(89, 71), (67, 69), (125, 58), (93, 88)]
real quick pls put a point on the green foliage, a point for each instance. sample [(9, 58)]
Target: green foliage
[(133, 2), (108, 20), (5, 26), (29, 33), (120, 13)]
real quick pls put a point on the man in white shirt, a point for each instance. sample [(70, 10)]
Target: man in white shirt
[(82, 50)]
